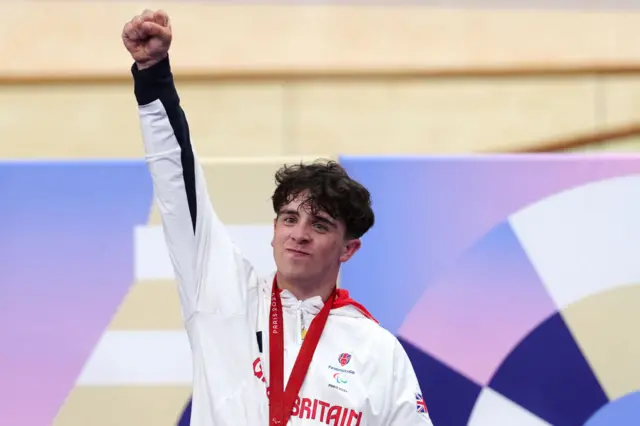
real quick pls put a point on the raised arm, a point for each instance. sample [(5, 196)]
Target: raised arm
[(211, 273)]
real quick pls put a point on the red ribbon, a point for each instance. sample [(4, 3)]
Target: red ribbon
[(281, 401)]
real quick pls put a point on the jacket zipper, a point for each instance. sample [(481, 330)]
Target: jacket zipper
[(300, 326)]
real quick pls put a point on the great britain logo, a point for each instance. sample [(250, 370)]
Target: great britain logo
[(344, 358)]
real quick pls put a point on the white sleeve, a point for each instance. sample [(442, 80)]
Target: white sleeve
[(406, 403), (211, 273)]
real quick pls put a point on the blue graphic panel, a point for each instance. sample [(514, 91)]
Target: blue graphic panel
[(621, 412), (548, 375), (443, 269), (66, 256)]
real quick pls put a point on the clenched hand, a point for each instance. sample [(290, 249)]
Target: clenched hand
[(148, 38)]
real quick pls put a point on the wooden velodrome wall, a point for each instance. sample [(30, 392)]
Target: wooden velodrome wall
[(317, 80), (263, 84)]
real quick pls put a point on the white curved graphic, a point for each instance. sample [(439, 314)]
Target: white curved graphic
[(494, 409), (586, 240)]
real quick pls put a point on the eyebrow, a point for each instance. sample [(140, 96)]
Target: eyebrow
[(316, 217)]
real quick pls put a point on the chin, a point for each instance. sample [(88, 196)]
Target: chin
[(294, 273)]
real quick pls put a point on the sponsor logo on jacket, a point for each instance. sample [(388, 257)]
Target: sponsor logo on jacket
[(316, 409)]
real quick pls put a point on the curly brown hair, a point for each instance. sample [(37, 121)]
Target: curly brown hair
[(330, 189)]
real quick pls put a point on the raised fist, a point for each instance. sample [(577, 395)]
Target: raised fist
[(148, 37)]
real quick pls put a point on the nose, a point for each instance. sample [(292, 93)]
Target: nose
[(300, 234)]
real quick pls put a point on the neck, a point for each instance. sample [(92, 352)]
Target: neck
[(303, 290)]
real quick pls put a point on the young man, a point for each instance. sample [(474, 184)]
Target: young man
[(268, 351)]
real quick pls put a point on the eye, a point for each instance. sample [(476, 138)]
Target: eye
[(289, 220), (320, 227)]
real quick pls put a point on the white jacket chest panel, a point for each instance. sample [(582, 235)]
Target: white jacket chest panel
[(339, 382), (340, 385)]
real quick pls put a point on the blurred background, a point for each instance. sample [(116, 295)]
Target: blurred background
[(89, 319)]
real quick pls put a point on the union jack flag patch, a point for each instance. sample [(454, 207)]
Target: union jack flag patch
[(421, 406)]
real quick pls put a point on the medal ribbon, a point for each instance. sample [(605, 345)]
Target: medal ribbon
[(281, 400)]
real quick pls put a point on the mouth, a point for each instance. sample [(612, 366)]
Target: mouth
[(297, 252)]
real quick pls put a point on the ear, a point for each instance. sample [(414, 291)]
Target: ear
[(349, 249), (273, 238)]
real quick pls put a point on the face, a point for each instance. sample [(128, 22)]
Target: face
[(309, 248)]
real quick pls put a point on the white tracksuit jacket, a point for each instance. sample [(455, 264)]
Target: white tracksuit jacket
[(360, 375)]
